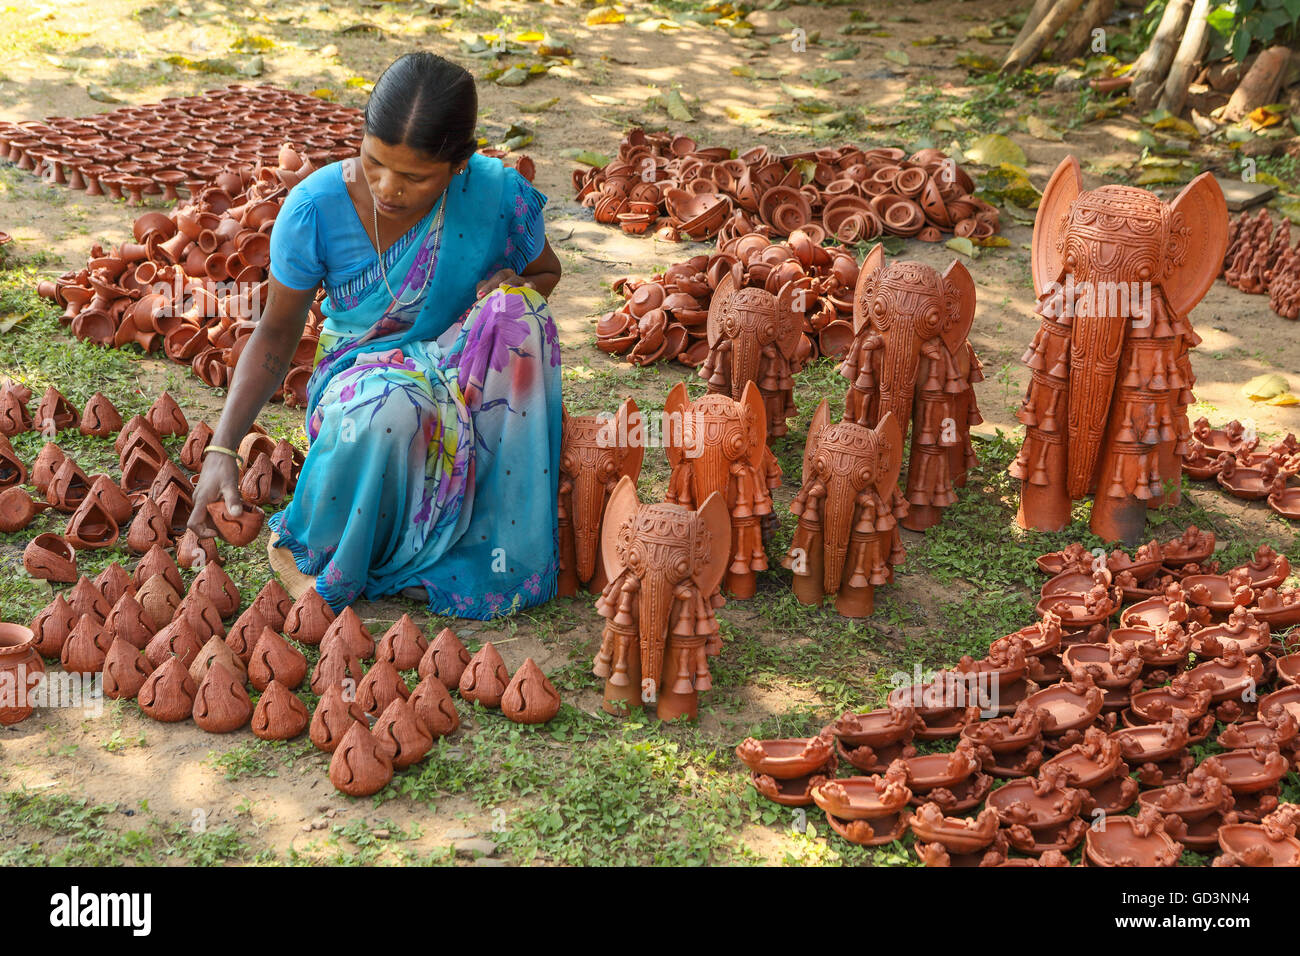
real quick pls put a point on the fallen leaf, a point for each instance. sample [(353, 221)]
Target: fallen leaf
[(897, 56), (1263, 387), (585, 156), (964, 246), (540, 107), (677, 108), (994, 149), (604, 15), (1040, 129), (515, 76), (1286, 398), (100, 95)]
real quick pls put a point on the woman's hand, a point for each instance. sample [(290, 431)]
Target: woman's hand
[(219, 481), (540, 275), (503, 278)]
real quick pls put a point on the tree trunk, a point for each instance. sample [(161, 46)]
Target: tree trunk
[(1035, 16), (1260, 85), (1079, 38), (1196, 39), (1022, 54), (1152, 67)]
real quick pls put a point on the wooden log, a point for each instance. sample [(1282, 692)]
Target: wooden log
[(1260, 85), (1153, 66), (1032, 19), (1196, 38), (1078, 40), (1024, 53)]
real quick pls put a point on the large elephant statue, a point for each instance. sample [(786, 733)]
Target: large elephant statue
[(910, 358), (847, 542), (717, 444), (1116, 272), (665, 563), (754, 337), (596, 451)]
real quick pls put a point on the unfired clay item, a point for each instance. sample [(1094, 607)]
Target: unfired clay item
[(51, 558), (274, 659), (529, 697), (335, 667), (356, 638), (402, 645), (399, 727), (434, 706), (125, 670), (85, 649), (52, 626), (361, 764), (381, 685), (485, 678), (335, 713), (168, 693), (221, 704), (446, 659), (220, 589), (100, 417), (280, 714), (309, 618), (237, 531), (214, 651)]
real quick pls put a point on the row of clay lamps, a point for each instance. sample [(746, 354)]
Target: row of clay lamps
[(1261, 261), (665, 317), (1081, 705), (672, 185), (1235, 461), (182, 143), (150, 503)]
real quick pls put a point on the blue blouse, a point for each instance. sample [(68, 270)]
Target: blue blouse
[(318, 236)]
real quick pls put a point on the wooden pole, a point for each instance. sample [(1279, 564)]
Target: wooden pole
[(1022, 54), (1260, 84), (1079, 38), (1196, 39), (1034, 17), (1152, 67)]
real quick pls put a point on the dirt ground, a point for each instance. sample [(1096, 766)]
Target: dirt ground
[(51, 55)]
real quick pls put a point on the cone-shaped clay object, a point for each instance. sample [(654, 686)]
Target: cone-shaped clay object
[(149, 529), (128, 621), (51, 627), (54, 410), (136, 432), (337, 667), (125, 670), (194, 552), (485, 678), (237, 531), (197, 608), (216, 651), (18, 508), (14, 416), (435, 708), (380, 687), (111, 499), (159, 601), (530, 698), (361, 765), (100, 417), (86, 599), (403, 644), (220, 589), (446, 659), (176, 639), (356, 638), (246, 632), (274, 603), (255, 485), (275, 659), (68, 488), (309, 618), (46, 465), (12, 470), (50, 558), (399, 727), (334, 715), (221, 704), (200, 437), (91, 527), (166, 417), (113, 582), (157, 561), (279, 714), (168, 694), (84, 650)]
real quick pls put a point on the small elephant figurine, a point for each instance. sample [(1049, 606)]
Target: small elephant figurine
[(665, 563), (910, 358), (754, 337), (596, 451), (847, 542), (717, 444), (1116, 272)]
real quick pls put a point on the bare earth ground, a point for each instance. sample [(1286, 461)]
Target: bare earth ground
[(592, 789)]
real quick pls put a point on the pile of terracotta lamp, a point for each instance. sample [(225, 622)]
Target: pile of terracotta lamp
[(679, 190), (1233, 457), (1261, 261), (1070, 724), (665, 317)]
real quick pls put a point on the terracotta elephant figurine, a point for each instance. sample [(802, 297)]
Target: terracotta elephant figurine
[(1116, 272), (720, 446), (665, 563), (847, 542), (596, 451), (754, 337), (910, 358)]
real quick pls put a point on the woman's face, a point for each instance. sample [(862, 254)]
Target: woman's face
[(403, 181)]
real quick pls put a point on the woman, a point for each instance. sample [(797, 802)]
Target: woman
[(433, 411)]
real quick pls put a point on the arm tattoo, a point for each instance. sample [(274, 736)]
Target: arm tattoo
[(274, 364)]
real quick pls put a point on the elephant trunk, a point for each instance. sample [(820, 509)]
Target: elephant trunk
[(837, 524), (745, 356), (588, 499), (1095, 343), (655, 602), (898, 380)]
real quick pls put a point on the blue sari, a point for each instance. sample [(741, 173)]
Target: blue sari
[(433, 420)]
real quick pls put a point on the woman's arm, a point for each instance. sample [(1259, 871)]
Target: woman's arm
[(542, 274), (260, 372)]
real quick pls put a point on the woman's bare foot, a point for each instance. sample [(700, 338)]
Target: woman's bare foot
[(295, 582)]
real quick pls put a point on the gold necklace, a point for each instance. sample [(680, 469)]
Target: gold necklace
[(435, 226)]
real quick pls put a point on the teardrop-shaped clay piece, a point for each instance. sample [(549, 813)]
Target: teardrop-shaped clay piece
[(485, 678), (176, 509), (14, 416), (111, 499), (140, 470), (380, 687), (237, 531), (399, 727), (337, 666), (354, 635), (168, 694), (275, 659), (68, 488), (166, 417), (309, 618), (435, 708), (128, 621), (125, 670), (193, 551), (135, 424), (255, 485), (86, 599), (221, 704), (246, 632), (361, 766), (402, 645), (220, 589), (191, 455), (50, 558), (176, 639), (280, 714), (156, 560), (12, 470), (149, 529), (84, 650), (530, 698), (55, 409), (333, 716), (216, 651), (52, 626), (274, 603), (46, 465), (197, 608), (91, 526), (159, 601), (445, 659), (100, 417), (113, 582)]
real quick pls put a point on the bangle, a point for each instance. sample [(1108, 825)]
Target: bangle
[(224, 451)]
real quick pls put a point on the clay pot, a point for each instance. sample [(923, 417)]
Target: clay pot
[(17, 509), (157, 561), (362, 765), (216, 651), (309, 618), (52, 626), (168, 693), (274, 659), (280, 714), (238, 531), (221, 705), (348, 630), (21, 662), (530, 698), (401, 730), (403, 644), (125, 670), (434, 707), (485, 678), (49, 557), (334, 715), (381, 685), (216, 585)]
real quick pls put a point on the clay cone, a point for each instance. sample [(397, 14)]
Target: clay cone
[(86, 599), (14, 416), (85, 649), (113, 582), (221, 704), (199, 438), (12, 470), (197, 608), (195, 552), (219, 588), (157, 561), (128, 621), (361, 765), (380, 687), (274, 603), (125, 670), (46, 465), (149, 529), (216, 651), (177, 639), (130, 432), (255, 485), (54, 410), (279, 714), (159, 601), (399, 727), (91, 526), (335, 667), (403, 644), (166, 417), (530, 698), (446, 659), (246, 632), (309, 618), (100, 417), (485, 678), (435, 708), (333, 716), (68, 488), (274, 659), (356, 638), (111, 499), (51, 627), (168, 694)]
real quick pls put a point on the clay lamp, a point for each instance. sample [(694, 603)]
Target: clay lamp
[(1267, 569), (217, 586), (1010, 746), (403, 732), (49, 557), (20, 660), (1228, 677), (149, 529), (137, 430), (56, 410), (159, 600), (168, 693), (943, 706), (334, 667), (362, 765), (1217, 592), (47, 463), (1288, 669), (1090, 763), (1167, 646), (1242, 634), (14, 416), (1193, 810), (1081, 610), (140, 469), (221, 704), (275, 659), (279, 714), (530, 698), (177, 638), (351, 634), (193, 551), (334, 715), (126, 619), (1037, 803), (68, 488), (1132, 841), (1005, 664), (125, 670), (1278, 609), (166, 417), (1111, 666), (434, 707), (1068, 705), (1161, 703), (1286, 502), (216, 651), (274, 603), (1252, 484), (1277, 728), (1252, 844), (85, 649), (100, 417), (485, 678), (1157, 612), (785, 770), (109, 496), (866, 810), (51, 627), (18, 508), (309, 618), (1250, 771), (199, 437), (238, 531), (1194, 546), (247, 630), (1199, 463), (873, 740), (959, 836), (1153, 743), (91, 526)]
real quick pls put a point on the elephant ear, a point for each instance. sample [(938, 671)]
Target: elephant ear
[(751, 400), (789, 320), (1049, 225), (889, 455), (955, 332), (621, 506), (871, 265), (712, 516), (718, 306), (675, 406), (1205, 213), (820, 422), (629, 422)]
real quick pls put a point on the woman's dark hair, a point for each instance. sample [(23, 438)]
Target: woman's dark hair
[(427, 103)]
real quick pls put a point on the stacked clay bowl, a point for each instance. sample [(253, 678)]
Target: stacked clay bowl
[(1235, 460), (665, 317), (786, 771)]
